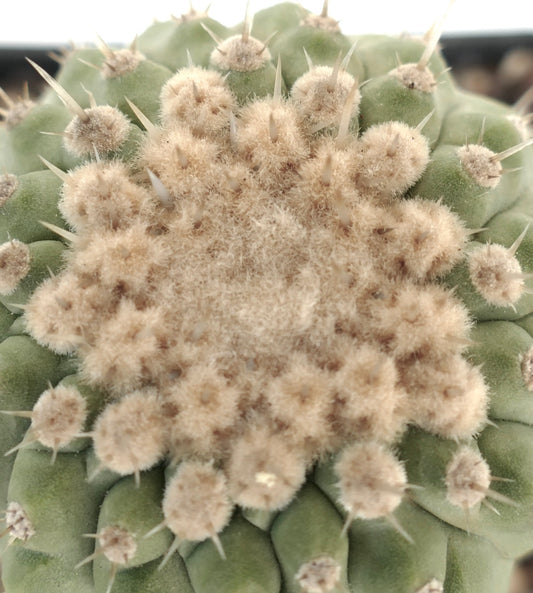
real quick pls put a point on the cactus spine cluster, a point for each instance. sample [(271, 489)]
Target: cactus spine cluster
[(265, 316)]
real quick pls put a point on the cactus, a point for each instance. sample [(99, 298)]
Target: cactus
[(265, 318)]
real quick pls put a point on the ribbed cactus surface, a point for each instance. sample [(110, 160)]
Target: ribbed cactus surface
[(266, 319)]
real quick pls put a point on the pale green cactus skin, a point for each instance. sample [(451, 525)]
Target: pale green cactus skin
[(428, 541)]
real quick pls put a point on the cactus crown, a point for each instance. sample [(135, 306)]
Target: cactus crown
[(265, 277)]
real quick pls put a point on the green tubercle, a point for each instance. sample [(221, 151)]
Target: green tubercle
[(505, 352), (322, 47), (33, 199), (168, 42), (131, 511), (311, 552), (475, 566), (38, 133), (249, 564)]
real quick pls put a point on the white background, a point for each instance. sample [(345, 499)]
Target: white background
[(33, 22)]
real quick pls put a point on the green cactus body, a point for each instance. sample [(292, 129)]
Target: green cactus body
[(265, 318), (30, 199), (386, 98), (167, 42), (23, 142), (275, 19), (80, 68)]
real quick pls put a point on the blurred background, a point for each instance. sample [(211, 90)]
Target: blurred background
[(490, 49), (59, 21)]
